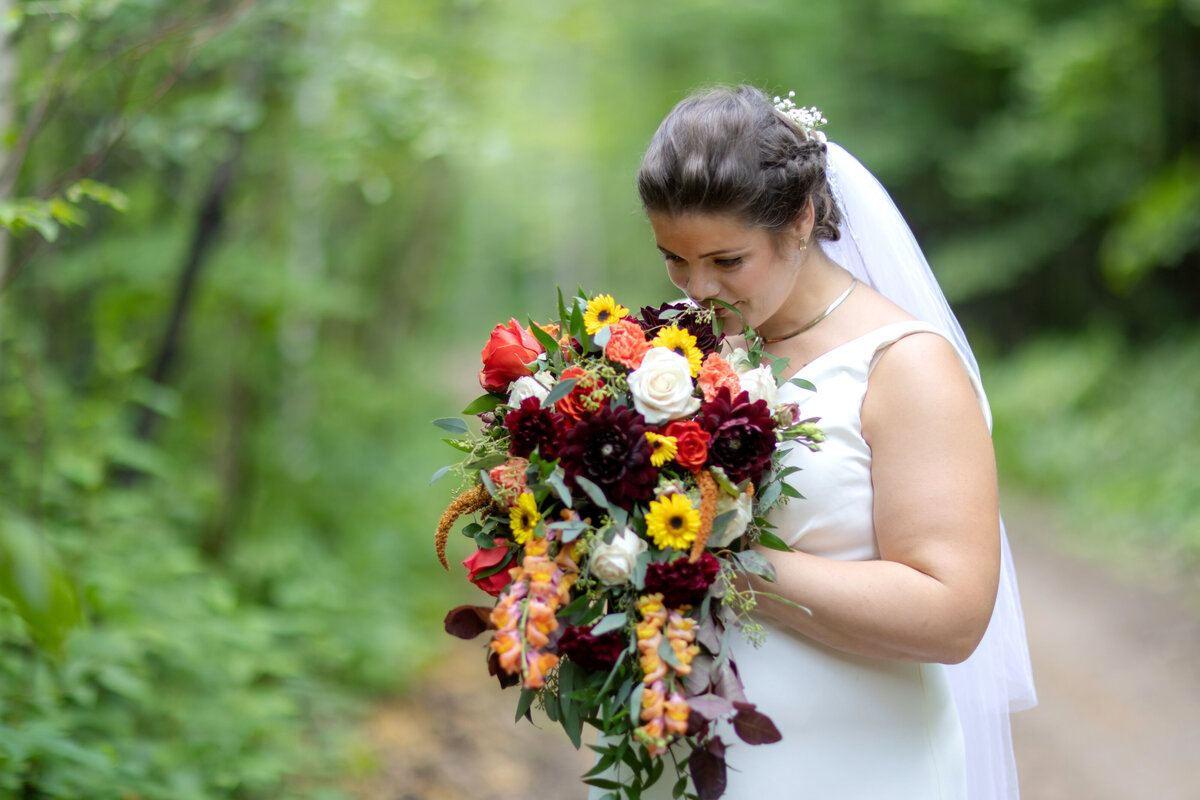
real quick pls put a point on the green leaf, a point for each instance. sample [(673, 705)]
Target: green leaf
[(441, 473), (770, 540), (756, 564), (482, 404), (487, 462), (560, 390), (35, 584), (779, 366), (803, 384), (611, 622), (544, 339), (593, 491), (524, 703), (452, 424), (555, 481), (790, 491)]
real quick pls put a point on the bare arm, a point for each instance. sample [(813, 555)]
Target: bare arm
[(930, 596)]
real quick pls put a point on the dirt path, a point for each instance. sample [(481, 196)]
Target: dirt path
[(1117, 666)]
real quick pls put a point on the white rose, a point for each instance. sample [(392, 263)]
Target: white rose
[(662, 386), (524, 387), (613, 563), (759, 383), (739, 359)]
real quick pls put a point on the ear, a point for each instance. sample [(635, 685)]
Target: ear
[(805, 221)]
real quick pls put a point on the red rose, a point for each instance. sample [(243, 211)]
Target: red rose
[(508, 350), (483, 561), (691, 443)]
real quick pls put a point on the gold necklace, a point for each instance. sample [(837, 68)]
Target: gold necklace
[(841, 298)]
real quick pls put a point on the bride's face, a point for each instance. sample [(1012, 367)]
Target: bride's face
[(718, 257)]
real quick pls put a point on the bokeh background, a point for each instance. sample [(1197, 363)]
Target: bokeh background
[(250, 248)]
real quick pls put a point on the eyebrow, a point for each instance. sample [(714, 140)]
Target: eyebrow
[(725, 251)]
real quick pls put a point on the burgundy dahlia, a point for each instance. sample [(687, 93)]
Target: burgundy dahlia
[(743, 435), (690, 318), (534, 428), (592, 653), (682, 582), (610, 449)]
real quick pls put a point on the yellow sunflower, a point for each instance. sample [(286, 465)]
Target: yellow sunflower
[(672, 522), (523, 518), (601, 312), (683, 343), (664, 448)]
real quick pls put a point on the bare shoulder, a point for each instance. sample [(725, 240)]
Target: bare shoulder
[(920, 377)]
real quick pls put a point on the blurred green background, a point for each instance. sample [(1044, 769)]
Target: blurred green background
[(253, 249)]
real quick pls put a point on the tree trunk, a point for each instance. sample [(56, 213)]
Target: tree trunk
[(8, 80)]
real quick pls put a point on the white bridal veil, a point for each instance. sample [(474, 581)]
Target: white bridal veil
[(878, 248)]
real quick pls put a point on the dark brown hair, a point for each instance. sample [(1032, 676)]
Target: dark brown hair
[(728, 151)]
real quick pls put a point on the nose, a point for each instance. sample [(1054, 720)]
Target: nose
[(701, 285)]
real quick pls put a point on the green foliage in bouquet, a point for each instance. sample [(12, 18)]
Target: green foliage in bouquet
[(621, 476)]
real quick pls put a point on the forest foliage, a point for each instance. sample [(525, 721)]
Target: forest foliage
[(249, 248)]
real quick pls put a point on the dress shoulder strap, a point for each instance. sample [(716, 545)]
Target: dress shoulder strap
[(884, 337), (880, 339)]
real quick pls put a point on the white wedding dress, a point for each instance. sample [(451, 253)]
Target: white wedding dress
[(854, 728)]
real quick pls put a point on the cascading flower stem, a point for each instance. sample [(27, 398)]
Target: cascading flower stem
[(469, 501), (708, 511)]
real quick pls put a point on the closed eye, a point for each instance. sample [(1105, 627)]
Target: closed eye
[(727, 262)]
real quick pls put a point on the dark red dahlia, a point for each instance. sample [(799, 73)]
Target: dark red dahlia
[(592, 653), (681, 582), (692, 319), (534, 428), (743, 435), (610, 449)]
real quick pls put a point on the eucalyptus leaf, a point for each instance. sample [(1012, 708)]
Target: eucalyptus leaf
[(441, 473), (803, 384), (610, 622), (453, 424), (594, 492), (560, 390), (756, 563)]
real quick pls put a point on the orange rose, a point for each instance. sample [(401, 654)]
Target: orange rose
[(691, 442), (585, 396), (506, 355), (716, 373), (627, 343)]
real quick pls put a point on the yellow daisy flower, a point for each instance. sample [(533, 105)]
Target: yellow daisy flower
[(664, 450), (601, 312), (524, 517), (683, 343), (672, 522)]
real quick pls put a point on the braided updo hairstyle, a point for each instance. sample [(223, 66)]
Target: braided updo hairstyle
[(728, 151)]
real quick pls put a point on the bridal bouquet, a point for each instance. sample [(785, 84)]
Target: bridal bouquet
[(620, 473)]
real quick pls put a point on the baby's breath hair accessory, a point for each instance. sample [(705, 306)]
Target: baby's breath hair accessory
[(806, 119)]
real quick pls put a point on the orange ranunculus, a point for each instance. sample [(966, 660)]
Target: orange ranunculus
[(506, 355), (585, 396), (716, 373), (627, 343), (483, 560), (691, 443)]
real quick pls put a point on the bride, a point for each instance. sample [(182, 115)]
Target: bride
[(898, 678)]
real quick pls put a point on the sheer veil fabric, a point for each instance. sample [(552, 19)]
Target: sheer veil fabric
[(879, 249)]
